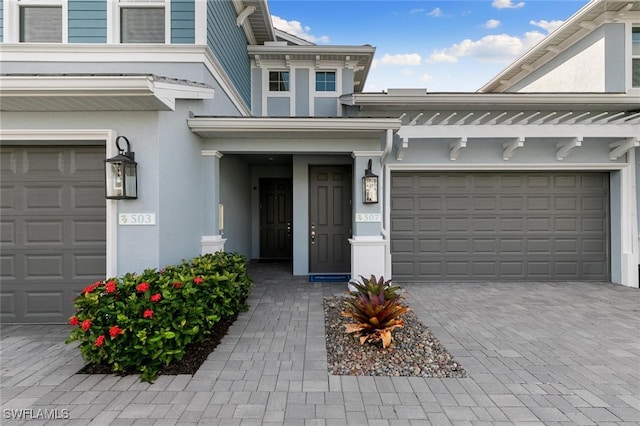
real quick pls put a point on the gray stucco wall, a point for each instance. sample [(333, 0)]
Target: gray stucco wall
[(235, 195), (325, 107), (553, 76), (278, 107), (347, 81), (302, 92), (256, 92)]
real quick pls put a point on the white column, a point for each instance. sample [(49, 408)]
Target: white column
[(629, 223), (212, 240)]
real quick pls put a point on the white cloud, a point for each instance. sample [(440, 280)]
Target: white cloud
[(548, 26), (437, 12), (500, 47), (298, 30), (414, 11), (412, 59), (426, 78), (507, 4), (492, 23)]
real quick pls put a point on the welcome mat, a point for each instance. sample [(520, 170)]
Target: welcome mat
[(329, 278)]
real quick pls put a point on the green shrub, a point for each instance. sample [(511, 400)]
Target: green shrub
[(140, 322)]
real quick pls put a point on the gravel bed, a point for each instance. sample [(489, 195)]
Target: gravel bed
[(414, 351)]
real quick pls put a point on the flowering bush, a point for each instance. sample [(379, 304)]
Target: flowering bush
[(140, 322)]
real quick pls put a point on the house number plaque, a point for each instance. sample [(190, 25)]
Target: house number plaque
[(136, 219), (368, 217)]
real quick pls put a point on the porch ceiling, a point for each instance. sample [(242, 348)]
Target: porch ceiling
[(95, 92)]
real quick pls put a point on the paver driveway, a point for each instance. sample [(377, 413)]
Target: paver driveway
[(536, 353)]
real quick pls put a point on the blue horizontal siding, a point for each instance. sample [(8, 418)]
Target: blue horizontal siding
[(1, 20), (87, 21), (229, 44), (183, 22)]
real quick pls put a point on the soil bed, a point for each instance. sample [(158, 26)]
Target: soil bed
[(414, 351)]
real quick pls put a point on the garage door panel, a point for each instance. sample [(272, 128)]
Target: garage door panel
[(53, 229), (403, 203), (522, 226)]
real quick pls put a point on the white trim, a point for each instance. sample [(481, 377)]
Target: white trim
[(113, 17), (211, 153), (200, 13), (106, 135), (11, 18)]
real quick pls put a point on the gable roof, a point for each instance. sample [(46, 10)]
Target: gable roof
[(591, 16)]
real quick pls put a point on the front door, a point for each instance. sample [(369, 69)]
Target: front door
[(330, 219), (275, 218)]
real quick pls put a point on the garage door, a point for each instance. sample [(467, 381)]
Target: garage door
[(52, 229), (499, 226)]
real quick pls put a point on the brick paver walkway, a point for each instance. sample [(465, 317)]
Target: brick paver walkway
[(536, 353)]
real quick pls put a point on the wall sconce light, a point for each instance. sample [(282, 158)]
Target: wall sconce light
[(121, 174), (369, 186)]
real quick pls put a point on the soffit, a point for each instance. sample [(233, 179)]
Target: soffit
[(82, 92), (581, 23)]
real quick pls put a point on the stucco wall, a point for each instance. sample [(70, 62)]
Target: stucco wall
[(235, 195)]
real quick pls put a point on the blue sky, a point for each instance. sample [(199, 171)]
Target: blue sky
[(444, 45)]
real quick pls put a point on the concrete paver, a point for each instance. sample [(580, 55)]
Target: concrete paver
[(536, 353)]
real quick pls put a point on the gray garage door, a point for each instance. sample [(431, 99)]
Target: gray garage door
[(52, 229), (499, 226)]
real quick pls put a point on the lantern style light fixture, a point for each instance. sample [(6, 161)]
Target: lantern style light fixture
[(369, 186), (121, 174)]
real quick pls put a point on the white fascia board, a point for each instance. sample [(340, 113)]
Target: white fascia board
[(170, 53), (292, 124), (311, 50), (493, 99)]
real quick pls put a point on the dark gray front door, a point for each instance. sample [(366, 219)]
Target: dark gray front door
[(52, 230), (275, 218), (527, 226), (330, 219)]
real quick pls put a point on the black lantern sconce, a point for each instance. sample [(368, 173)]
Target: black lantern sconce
[(121, 174), (369, 186)]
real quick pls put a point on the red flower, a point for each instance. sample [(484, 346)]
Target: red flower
[(148, 314), (110, 286), (99, 341), (90, 288), (86, 324), (74, 320), (198, 280), (156, 297), (177, 285), (142, 287), (115, 331)]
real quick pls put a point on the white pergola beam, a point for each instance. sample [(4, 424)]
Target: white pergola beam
[(511, 146), (620, 148), (463, 119), (415, 119), (564, 148), (456, 147), (430, 120)]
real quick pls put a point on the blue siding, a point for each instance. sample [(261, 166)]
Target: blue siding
[(87, 21), (229, 44), (1, 20), (183, 22)]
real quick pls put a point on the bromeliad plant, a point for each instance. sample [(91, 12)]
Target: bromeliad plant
[(375, 306), (140, 322)]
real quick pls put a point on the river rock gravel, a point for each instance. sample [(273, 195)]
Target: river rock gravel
[(414, 351)]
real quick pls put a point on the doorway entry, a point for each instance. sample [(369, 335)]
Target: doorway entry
[(275, 218), (330, 219)]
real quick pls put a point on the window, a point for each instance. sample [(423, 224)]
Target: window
[(278, 81), (142, 24), (40, 24), (325, 81), (635, 57)]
